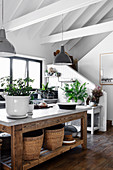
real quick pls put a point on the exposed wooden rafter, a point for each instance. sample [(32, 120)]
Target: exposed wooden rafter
[(70, 20), (15, 10), (48, 12), (39, 4), (51, 25), (48, 26), (35, 29), (94, 20), (82, 20), (81, 32)]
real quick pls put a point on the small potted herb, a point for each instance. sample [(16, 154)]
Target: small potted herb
[(17, 98), (47, 92)]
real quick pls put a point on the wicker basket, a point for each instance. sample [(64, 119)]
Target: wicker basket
[(53, 137), (32, 144)]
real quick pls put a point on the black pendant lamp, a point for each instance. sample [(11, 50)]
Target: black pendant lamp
[(6, 48), (62, 58)]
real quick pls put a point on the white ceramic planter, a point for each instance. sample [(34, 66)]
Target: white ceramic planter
[(17, 105)]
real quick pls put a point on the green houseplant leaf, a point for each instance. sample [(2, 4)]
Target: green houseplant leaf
[(76, 91), (18, 87)]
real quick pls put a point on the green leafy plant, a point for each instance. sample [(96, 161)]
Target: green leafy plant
[(18, 87), (46, 71), (31, 98), (45, 90), (75, 91), (44, 87)]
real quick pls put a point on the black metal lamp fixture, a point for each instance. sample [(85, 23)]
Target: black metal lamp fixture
[(62, 58), (6, 48)]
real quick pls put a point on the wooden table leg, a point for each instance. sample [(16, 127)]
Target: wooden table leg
[(84, 130), (16, 147)]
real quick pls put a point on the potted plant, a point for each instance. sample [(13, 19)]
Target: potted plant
[(47, 92), (17, 98), (76, 92), (97, 93)]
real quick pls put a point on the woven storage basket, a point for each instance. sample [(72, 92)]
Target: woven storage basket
[(53, 137), (32, 144)]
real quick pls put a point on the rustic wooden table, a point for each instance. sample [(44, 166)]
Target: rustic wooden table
[(40, 119)]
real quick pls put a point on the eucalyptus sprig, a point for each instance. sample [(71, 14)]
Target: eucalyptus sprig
[(16, 87)]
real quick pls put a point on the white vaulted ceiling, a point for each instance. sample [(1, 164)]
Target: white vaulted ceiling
[(42, 18)]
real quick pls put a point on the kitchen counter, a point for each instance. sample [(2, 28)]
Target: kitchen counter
[(41, 118), (40, 114)]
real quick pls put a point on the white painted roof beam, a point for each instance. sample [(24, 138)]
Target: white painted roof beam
[(48, 12), (39, 4), (50, 25), (94, 20), (81, 32), (70, 20), (15, 10), (82, 20)]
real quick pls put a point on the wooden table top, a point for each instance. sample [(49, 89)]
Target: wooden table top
[(40, 114)]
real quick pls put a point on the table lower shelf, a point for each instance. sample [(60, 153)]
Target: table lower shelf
[(95, 128), (44, 156), (6, 162)]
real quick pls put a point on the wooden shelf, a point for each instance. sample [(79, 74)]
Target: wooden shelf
[(6, 162), (17, 130), (44, 156), (95, 128)]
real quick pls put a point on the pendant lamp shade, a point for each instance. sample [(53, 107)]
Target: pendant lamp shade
[(6, 48), (62, 58)]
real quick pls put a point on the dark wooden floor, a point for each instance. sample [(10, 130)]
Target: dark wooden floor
[(98, 156)]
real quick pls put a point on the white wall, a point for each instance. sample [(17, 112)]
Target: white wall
[(25, 44), (67, 75), (89, 67)]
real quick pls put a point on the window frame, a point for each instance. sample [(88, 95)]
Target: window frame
[(27, 67)]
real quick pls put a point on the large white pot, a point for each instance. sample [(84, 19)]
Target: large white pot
[(17, 105)]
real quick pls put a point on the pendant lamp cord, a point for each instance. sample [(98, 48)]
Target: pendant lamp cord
[(62, 27), (2, 13)]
